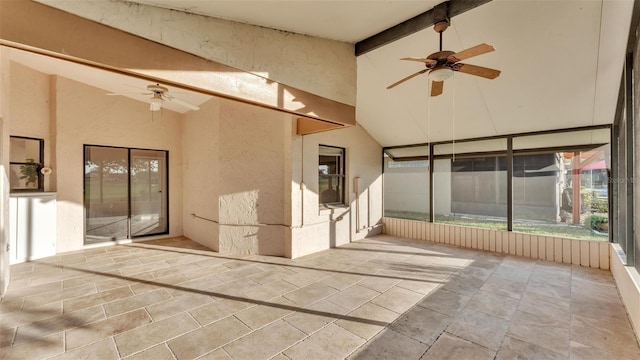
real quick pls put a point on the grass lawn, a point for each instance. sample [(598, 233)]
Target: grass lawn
[(533, 227)]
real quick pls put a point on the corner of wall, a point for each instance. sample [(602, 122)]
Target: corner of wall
[(627, 281)]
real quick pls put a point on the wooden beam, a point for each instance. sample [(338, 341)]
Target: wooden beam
[(31, 26), (415, 24), (306, 126)]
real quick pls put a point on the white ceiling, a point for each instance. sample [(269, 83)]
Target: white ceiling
[(561, 62), (349, 21)]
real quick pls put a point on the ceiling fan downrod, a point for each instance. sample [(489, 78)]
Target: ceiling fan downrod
[(440, 27)]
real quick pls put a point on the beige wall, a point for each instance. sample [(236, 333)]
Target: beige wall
[(4, 166), (200, 139), (234, 156), (30, 103), (230, 163), (84, 115), (628, 282), (314, 229)]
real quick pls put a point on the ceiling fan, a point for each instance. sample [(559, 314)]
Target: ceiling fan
[(158, 95), (442, 64)]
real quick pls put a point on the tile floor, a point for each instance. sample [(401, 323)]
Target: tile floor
[(381, 298)]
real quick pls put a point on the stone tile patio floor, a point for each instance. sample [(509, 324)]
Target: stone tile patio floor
[(380, 298)]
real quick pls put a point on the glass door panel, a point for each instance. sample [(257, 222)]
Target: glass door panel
[(148, 192), (106, 192)]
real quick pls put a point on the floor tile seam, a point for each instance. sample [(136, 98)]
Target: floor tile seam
[(208, 352), (411, 337), (251, 331), (307, 336), (613, 354), (515, 336), (222, 318), (61, 289), (19, 307), (43, 319), (13, 338), (249, 326), (422, 296), (66, 329), (165, 341), (612, 331), (10, 292), (622, 318), (519, 300), (277, 296), (280, 353), (454, 316), (112, 337), (100, 303), (475, 343), (333, 321), (529, 343), (492, 315)]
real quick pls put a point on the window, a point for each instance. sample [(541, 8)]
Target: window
[(331, 175), (126, 193), (25, 162), (554, 183), (471, 191), (406, 189), (562, 193)]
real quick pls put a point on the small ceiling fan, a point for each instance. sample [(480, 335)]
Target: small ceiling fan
[(158, 95), (442, 64)]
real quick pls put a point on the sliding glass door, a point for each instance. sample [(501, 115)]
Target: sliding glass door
[(148, 189), (125, 193)]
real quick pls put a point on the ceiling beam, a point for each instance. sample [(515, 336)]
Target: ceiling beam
[(416, 23), (28, 25)]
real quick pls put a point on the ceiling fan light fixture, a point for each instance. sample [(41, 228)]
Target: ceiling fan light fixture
[(440, 74), (156, 103)]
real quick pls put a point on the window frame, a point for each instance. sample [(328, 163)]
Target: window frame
[(435, 153), (39, 164), (341, 175)]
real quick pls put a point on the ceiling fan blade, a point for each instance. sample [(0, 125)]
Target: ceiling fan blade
[(128, 93), (478, 71), (436, 87), (422, 60), (407, 78), (471, 52), (181, 102)]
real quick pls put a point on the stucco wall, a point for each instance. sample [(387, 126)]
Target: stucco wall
[(30, 102), (84, 115), (200, 139), (315, 229), (322, 67), (4, 166), (234, 156)]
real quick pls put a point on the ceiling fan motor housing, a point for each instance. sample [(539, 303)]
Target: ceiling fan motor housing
[(157, 89)]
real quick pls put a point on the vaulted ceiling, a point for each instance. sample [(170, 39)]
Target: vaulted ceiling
[(561, 62)]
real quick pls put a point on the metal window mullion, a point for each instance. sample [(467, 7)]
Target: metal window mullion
[(510, 183), (128, 193), (629, 153), (431, 192)]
